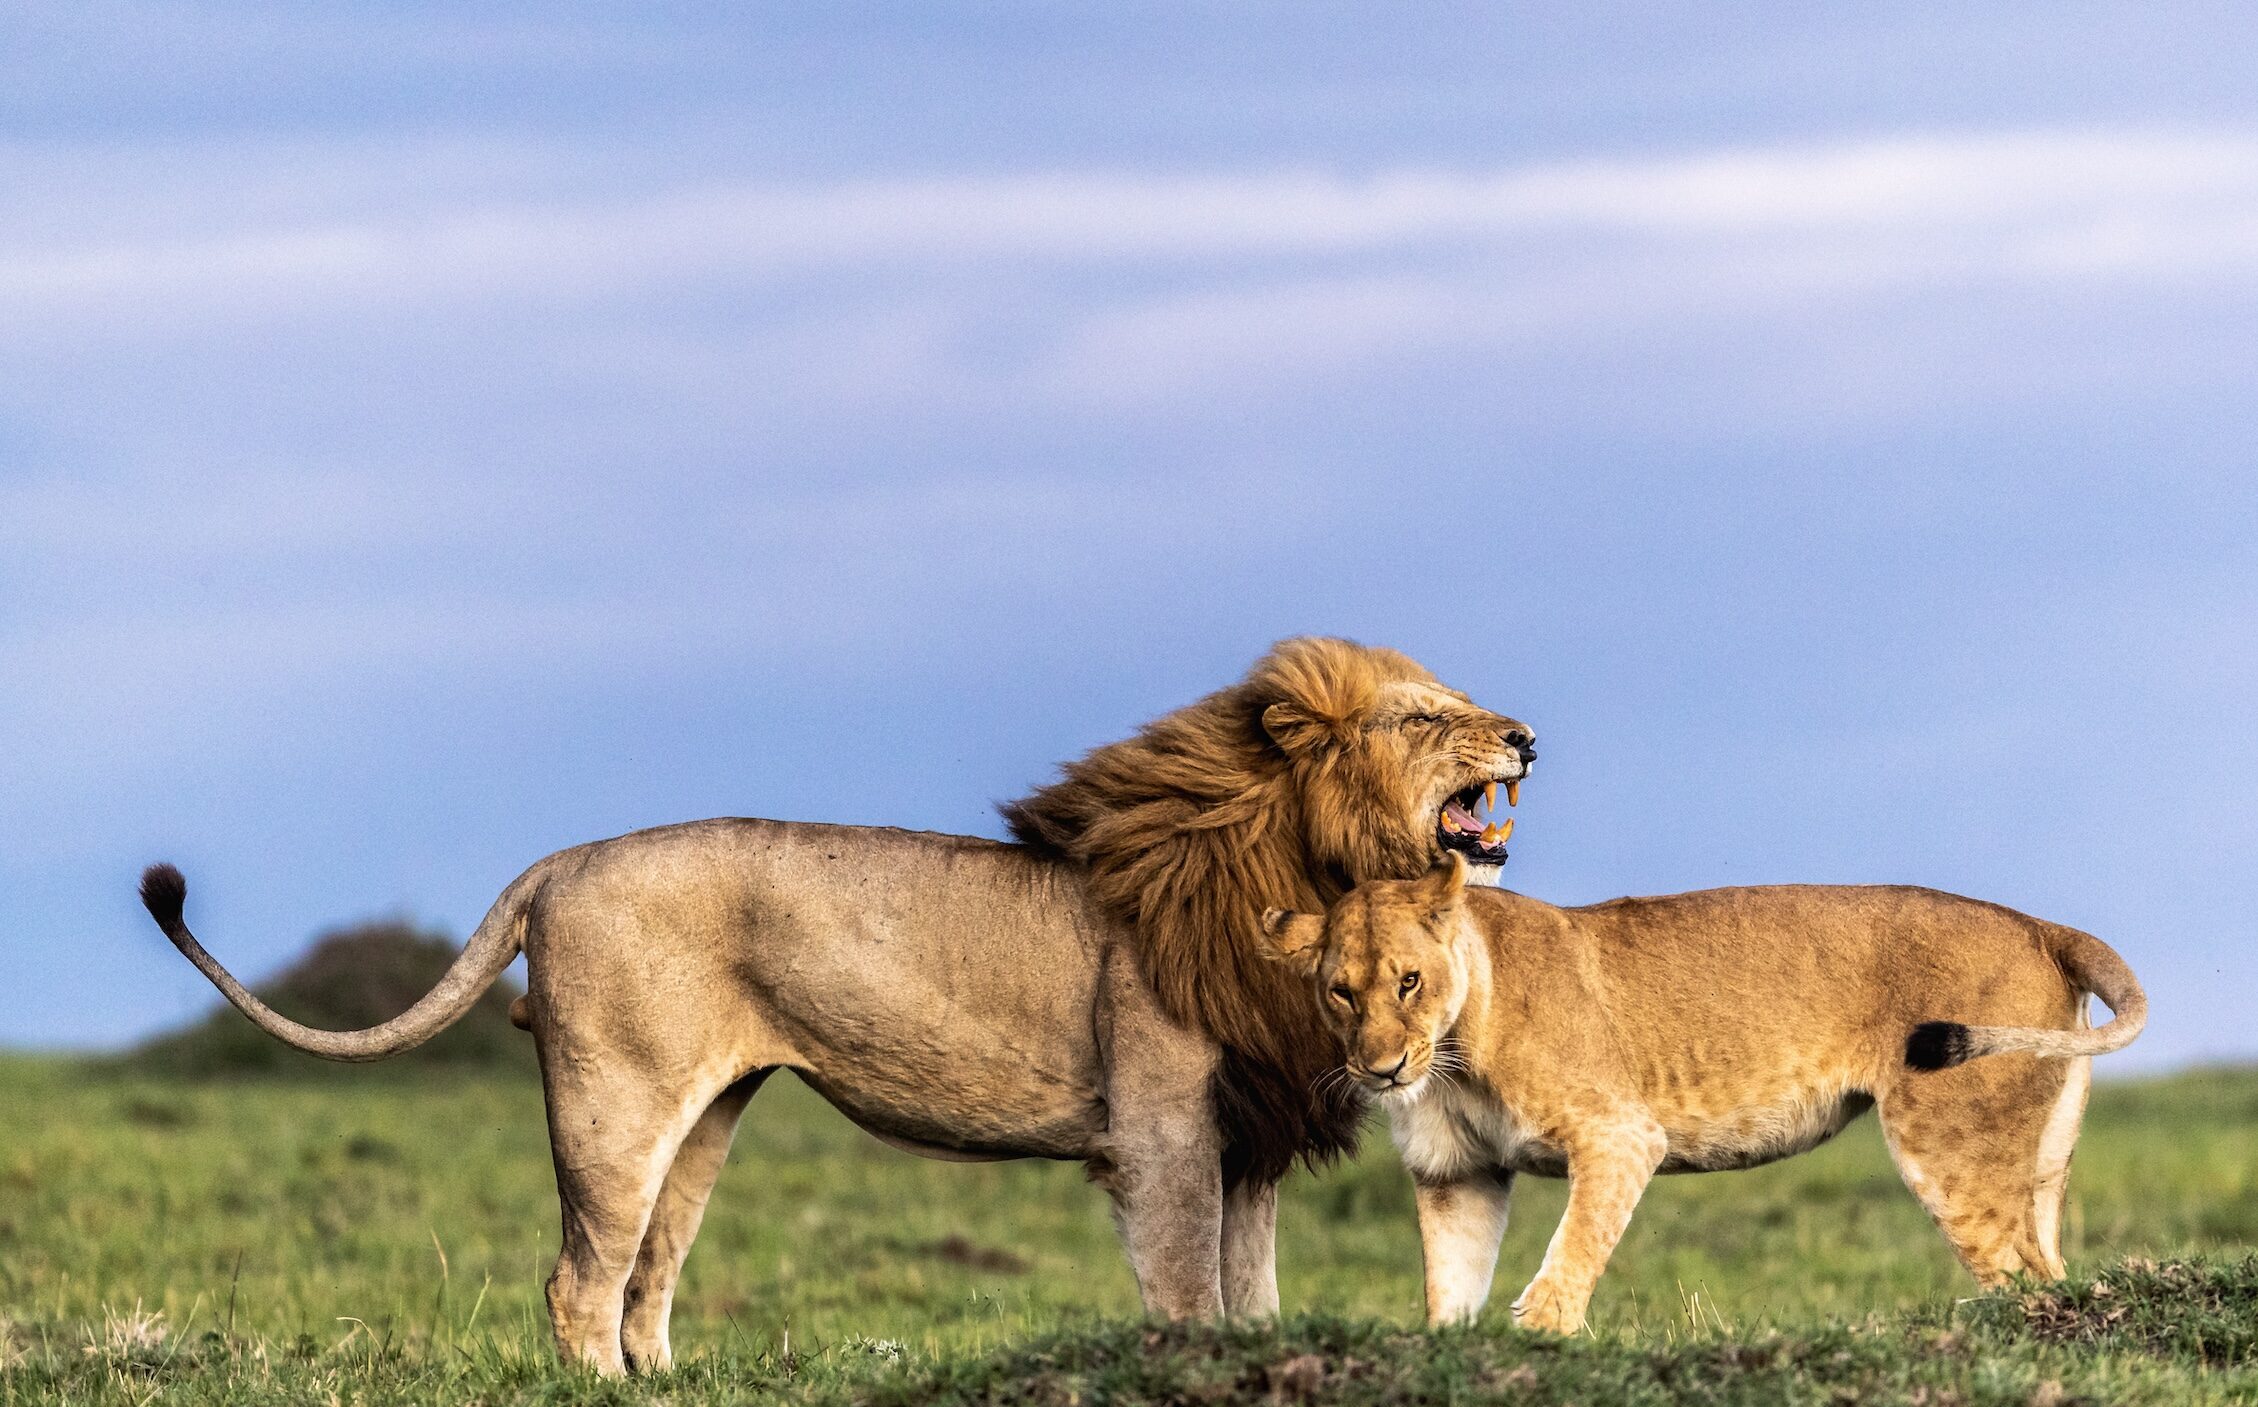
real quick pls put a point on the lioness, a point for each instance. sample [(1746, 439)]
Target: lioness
[(1696, 1032), (1097, 992)]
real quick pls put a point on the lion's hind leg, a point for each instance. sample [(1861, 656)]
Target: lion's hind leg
[(681, 1206), (1986, 1148), (614, 1130)]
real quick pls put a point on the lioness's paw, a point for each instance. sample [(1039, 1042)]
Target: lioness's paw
[(1546, 1311)]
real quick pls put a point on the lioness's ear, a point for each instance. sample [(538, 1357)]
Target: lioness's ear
[(1298, 940), (1295, 729), (1445, 884)]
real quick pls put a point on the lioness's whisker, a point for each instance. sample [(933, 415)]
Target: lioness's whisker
[(1334, 1083)]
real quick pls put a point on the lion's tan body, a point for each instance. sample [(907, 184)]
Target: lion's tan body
[(1704, 1031), (955, 997), (1096, 994)]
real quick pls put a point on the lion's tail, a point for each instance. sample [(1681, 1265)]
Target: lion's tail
[(2092, 966), (490, 950)]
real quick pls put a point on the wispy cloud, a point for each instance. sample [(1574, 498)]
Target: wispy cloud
[(2023, 204)]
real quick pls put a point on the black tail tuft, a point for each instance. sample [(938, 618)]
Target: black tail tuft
[(1938, 1045), (163, 891)]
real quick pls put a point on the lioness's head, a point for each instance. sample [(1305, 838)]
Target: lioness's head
[(1391, 965), (1394, 769), (1331, 764)]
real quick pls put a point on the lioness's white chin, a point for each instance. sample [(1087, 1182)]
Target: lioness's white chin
[(1405, 1094)]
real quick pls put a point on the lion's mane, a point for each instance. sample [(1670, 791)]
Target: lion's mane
[(1199, 822)]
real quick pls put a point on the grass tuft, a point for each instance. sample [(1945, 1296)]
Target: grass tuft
[(2202, 1310)]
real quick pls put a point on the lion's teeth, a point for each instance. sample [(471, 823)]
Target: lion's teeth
[(1489, 795), (1489, 835), (1450, 822), (1505, 831), (1513, 792)]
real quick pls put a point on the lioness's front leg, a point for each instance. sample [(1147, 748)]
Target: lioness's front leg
[(1608, 1170), (1460, 1224)]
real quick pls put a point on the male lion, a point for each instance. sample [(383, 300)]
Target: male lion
[(1696, 1032), (1095, 993)]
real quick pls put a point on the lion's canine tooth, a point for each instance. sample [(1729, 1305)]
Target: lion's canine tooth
[(1505, 831), (1489, 795), (1490, 835), (1513, 792)]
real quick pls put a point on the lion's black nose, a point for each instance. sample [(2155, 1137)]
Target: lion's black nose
[(1519, 738)]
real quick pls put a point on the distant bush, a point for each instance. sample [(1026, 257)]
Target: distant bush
[(352, 977)]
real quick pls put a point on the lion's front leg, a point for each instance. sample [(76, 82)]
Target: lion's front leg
[(1250, 1250), (1161, 1156), (1168, 1207)]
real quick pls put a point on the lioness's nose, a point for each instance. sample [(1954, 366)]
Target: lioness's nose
[(1392, 1071)]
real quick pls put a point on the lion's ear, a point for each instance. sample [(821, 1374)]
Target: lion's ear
[(1295, 729), (1297, 940)]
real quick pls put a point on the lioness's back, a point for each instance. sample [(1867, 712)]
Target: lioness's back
[(1731, 972)]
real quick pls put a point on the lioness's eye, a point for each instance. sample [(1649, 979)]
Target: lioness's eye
[(1345, 997), (1410, 983)]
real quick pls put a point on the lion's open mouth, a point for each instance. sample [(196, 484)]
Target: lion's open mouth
[(1469, 825)]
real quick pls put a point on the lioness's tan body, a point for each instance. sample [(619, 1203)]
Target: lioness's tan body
[(1713, 1030)]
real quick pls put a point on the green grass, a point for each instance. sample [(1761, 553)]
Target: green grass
[(383, 1239)]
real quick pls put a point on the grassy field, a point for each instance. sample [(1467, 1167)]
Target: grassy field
[(354, 1236)]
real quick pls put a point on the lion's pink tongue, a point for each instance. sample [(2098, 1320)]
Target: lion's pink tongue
[(1461, 819)]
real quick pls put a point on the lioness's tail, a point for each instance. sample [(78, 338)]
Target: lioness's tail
[(2093, 966), (482, 959)]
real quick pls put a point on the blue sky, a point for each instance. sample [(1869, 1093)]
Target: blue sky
[(434, 435)]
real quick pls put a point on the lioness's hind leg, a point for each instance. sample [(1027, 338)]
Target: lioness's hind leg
[(2056, 1142), (649, 1299), (1986, 1147)]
